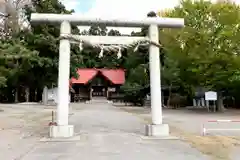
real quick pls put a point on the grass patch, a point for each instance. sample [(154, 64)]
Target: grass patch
[(217, 147)]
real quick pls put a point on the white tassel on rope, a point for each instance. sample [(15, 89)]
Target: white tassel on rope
[(119, 54), (81, 46), (111, 48), (136, 48), (101, 53)]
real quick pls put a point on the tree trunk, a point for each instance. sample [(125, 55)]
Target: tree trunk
[(45, 95), (35, 94), (16, 95), (219, 105), (27, 94), (39, 94), (169, 95), (32, 95)]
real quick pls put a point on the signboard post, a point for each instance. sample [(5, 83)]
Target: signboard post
[(211, 96)]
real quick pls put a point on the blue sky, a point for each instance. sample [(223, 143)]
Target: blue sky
[(83, 6), (80, 6)]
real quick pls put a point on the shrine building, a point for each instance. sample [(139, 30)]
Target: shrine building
[(92, 82)]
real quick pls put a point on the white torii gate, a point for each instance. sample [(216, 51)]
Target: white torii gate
[(63, 129)]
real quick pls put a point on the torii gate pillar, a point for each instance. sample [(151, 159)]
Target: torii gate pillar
[(63, 129), (157, 128)]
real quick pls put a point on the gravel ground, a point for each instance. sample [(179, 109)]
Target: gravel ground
[(106, 133), (188, 124)]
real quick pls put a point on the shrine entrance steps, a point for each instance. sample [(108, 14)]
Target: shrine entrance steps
[(99, 100)]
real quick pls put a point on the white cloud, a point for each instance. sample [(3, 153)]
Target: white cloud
[(129, 8), (125, 8)]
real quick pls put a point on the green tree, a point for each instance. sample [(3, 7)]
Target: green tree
[(206, 48), (31, 54), (113, 32), (98, 30), (137, 65)]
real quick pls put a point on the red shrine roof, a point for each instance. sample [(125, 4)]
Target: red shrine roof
[(116, 76), (85, 75)]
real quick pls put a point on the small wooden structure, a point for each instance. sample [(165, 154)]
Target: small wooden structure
[(50, 96), (96, 83)]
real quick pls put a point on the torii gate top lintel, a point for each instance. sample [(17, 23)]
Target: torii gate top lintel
[(88, 21), (63, 129)]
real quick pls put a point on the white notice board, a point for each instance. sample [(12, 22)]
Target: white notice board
[(210, 96)]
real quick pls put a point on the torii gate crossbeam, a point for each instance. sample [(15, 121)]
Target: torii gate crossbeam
[(63, 129)]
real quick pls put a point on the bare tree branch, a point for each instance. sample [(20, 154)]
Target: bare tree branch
[(13, 21)]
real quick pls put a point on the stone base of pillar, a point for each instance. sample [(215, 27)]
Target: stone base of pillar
[(61, 131), (160, 130), (111, 102)]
